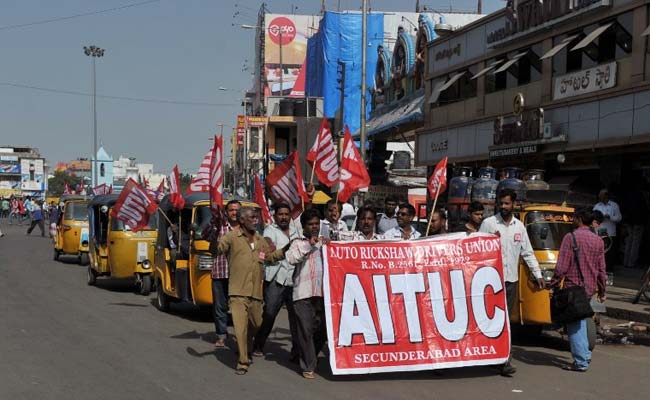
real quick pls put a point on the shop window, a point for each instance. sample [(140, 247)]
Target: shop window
[(463, 88), (527, 69), (102, 170)]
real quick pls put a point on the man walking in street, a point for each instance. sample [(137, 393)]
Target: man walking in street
[(404, 229), (37, 219), (215, 231), (53, 216), (246, 251), (588, 248), (612, 215), (305, 255), (387, 220), (514, 244), (278, 289)]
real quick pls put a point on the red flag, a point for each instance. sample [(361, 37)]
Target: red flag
[(134, 206), (322, 156), (66, 189), (111, 189), (261, 200), (201, 182), (286, 185), (175, 196), (437, 182), (160, 192), (216, 176), (354, 174), (147, 187), (82, 186), (100, 189)]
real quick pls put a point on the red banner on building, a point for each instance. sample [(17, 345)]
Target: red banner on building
[(425, 304)]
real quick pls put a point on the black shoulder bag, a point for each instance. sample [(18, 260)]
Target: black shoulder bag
[(571, 304)]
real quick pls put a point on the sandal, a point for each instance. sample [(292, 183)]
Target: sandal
[(308, 375), (574, 367), (241, 371), (258, 353), (220, 343)]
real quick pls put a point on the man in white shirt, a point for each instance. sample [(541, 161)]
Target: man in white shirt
[(514, 243), (387, 220), (612, 216), (404, 229), (332, 224)]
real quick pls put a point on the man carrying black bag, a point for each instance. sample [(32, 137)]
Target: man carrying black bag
[(581, 263)]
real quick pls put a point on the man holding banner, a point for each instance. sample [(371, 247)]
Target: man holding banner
[(514, 244), (404, 230)]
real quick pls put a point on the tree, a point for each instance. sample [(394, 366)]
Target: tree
[(56, 184), (186, 179)]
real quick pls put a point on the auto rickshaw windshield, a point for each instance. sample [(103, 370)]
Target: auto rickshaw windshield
[(546, 229), (76, 211), (203, 216), (152, 225)]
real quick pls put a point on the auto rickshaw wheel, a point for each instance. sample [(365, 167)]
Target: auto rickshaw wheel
[(56, 254), (92, 276), (144, 284), (84, 259), (162, 300), (592, 333)]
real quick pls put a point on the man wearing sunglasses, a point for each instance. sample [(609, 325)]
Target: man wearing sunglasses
[(404, 229)]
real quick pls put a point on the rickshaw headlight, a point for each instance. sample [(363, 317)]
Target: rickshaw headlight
[(205, 262), (547, 274), (146, 264)]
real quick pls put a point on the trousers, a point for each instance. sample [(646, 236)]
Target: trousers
[(35, 222), (312, 334), (579, 342), (275, 295), (246, 320), (220, 307)]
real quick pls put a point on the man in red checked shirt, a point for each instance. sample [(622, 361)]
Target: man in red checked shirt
[(591, 257)]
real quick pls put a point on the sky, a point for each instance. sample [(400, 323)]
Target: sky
[(174, 52)]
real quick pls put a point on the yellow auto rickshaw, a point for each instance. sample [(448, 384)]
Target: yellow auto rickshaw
[(182, 261), (72, 229), (116, 251)]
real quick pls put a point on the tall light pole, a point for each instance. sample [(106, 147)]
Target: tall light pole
[(94, 52), (279, 33), (364, 46)]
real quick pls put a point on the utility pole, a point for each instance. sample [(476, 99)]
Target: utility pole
[(281, 65), (364, 46), (94, 52)]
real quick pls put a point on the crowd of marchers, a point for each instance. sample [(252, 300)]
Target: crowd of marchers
[(254, 275)]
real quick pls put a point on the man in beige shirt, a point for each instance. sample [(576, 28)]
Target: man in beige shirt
[(246, 251)]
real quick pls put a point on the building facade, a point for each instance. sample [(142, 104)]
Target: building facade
[(23, 171), (561, 85)]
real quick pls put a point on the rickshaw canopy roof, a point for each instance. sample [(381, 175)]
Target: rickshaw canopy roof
[(104, 200), (72, 197)]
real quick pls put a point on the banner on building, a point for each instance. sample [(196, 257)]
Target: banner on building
[(416, 305), (31, 174)]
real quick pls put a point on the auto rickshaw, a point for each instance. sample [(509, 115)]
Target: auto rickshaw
[(116, 251), (546, 224), (72, 229), (182, 271)]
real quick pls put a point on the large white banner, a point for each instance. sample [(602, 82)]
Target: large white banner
[(585, 81)]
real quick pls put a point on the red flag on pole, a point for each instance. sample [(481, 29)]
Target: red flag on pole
[(100, 189), (160, 192), (322, 156), (354, 174), (286, 185), (261, 200), (201, 182), (216, 176), (66, 189), (82, 187), (134, 206), (175, 196), (437, 182)]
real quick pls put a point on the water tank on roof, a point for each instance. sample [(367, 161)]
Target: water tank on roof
[(535, 180), (484, 189), (459, 194), (512, 180)]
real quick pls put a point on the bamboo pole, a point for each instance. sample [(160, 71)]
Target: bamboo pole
[(165, 215), (435, 201)]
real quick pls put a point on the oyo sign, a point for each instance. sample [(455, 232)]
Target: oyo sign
[(282, 27)]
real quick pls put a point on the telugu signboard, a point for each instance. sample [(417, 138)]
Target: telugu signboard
[(416, 305), (586, 81)]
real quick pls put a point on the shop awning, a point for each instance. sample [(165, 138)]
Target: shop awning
[(510, 62), (646, 32), (558, 47), (487, 69), (406, 113), (436, 92), (591, 37)]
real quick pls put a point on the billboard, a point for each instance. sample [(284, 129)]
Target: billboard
[(285, 51), (32, 176)]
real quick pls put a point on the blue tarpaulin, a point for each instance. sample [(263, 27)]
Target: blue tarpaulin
[(339, 38)]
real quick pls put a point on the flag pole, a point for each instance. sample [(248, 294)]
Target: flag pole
[(165, 215), (432, 210)]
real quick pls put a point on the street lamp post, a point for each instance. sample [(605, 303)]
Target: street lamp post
[(279, 32), (94, 52)]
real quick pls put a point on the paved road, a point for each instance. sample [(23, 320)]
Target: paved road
[(61, 339)]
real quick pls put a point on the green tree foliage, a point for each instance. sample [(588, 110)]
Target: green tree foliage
[(56, 184), (186, 179)]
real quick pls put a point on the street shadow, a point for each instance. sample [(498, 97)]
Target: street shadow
[(532, 357), (128, 305), (187, 311), (116, 285), (208, 337)]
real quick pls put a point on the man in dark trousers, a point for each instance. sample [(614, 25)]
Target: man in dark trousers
[(37, 219), (278, 276), (591, 261)]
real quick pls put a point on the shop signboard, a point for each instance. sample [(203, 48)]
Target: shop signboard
[(513, 151), (252, 122), (31, 174), (7, 167), (285, 52), (586, 81)]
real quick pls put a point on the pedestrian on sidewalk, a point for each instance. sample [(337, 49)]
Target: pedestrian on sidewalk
[(278, 287), (612, 216), (37, 219), (305, 255), (246, 251), (588, 272), (514, 244), (215, 231)]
